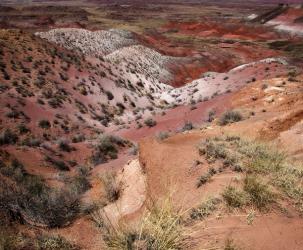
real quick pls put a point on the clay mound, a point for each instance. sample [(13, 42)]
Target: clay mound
[(89, 43), (289, 22), (213, 84), (143, 60)]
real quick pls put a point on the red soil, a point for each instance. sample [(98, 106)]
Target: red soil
[(230, 30)]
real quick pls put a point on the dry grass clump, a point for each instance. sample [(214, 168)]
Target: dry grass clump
[(230, 245), (160, 229), (111, 187), (259, 193), (234, 198)]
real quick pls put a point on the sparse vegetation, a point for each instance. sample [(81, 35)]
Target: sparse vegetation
[(262, 164)]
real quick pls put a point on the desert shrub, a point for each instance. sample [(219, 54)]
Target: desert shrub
[(13, 114), (107, 148), (259, 193), (206, 177), (54, 242), (134, 150), (205, 209), (23, 129), (63, 145), (45, 124), (112, 188), (109, 95), (230, 117), (230, 245), (59, 164), (150, 122), (234, 198), (31, 141), (162, 135), (212, 150), (8, 137), (80, 183), (31, 198), (78, 138), (211, 115), (62, 207), (187, 126)]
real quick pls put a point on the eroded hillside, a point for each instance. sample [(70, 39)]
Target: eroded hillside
[(154, 126)]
